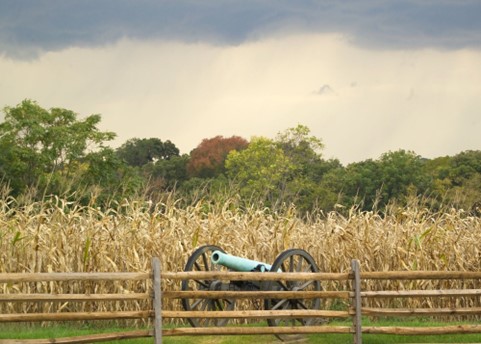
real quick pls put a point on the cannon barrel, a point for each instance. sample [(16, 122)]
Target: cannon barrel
[(238, 263)]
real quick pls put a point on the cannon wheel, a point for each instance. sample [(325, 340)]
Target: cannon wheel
[(200, 260), (293, 260)]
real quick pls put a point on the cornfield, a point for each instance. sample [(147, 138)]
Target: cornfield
[(58, 236)]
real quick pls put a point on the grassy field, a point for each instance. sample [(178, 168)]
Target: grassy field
[(24, 332)]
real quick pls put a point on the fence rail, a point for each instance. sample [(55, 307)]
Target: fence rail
[(73, 276), (349, 289), (152, 297)]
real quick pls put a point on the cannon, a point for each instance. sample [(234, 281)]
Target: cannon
[(213, 258), (237, 263)]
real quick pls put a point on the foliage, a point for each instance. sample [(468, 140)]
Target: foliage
[(282, 171), (38, 145), (207, 159), (165, 175), (53, 152), (362, 182), (372, 184), (139, 152), (261, 170), (303, 150), (437, 173), (108, 179), (455, 180), (465, 166), (401, 171), (464, 176)]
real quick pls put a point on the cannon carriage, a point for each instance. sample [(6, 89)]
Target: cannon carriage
[(214, 258)]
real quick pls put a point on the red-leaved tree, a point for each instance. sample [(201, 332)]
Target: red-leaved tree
[(207, 159)]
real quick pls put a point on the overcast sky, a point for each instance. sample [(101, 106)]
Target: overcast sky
[(366, 76)]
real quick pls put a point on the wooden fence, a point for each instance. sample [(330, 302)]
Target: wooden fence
[(462, 302), (152, 295)]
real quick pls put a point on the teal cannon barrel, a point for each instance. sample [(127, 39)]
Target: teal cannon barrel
[(238, 263)]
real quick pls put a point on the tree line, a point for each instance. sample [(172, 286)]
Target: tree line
[(53, 152)]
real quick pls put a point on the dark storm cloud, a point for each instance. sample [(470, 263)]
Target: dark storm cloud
[(29, 27)]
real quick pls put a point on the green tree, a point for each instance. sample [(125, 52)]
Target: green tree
[(465, 166), (362, 183), (465, 179), (166, 174), (106, 178), (319, 169), (394, 176), (439, 187), (139, 152), (261, 170), (331, 187), (285, 170), (303, 150), (47, 149), (401, 174)]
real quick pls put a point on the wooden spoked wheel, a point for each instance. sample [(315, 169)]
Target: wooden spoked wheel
[(294, 260), (200, 260)]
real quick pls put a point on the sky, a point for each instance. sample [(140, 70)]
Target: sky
[(366, 76)]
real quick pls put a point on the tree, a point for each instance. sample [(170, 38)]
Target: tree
[(39, 147), (303, 150), (106, 178), (285, 170), (139, 152), (402, 172), (330, 189), (166, 174), (208, 158), (362, 182), (305, 155), (437, 172), (261, 170), (394, 176), (465, 179), (464, 166)]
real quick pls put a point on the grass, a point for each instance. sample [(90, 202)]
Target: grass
[(32, 332)]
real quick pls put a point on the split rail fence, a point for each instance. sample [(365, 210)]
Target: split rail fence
[(351, 291)]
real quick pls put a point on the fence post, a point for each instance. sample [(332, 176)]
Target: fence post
[(157, 301), (356, 320)]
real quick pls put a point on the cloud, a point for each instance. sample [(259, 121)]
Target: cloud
[(31, 27)]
